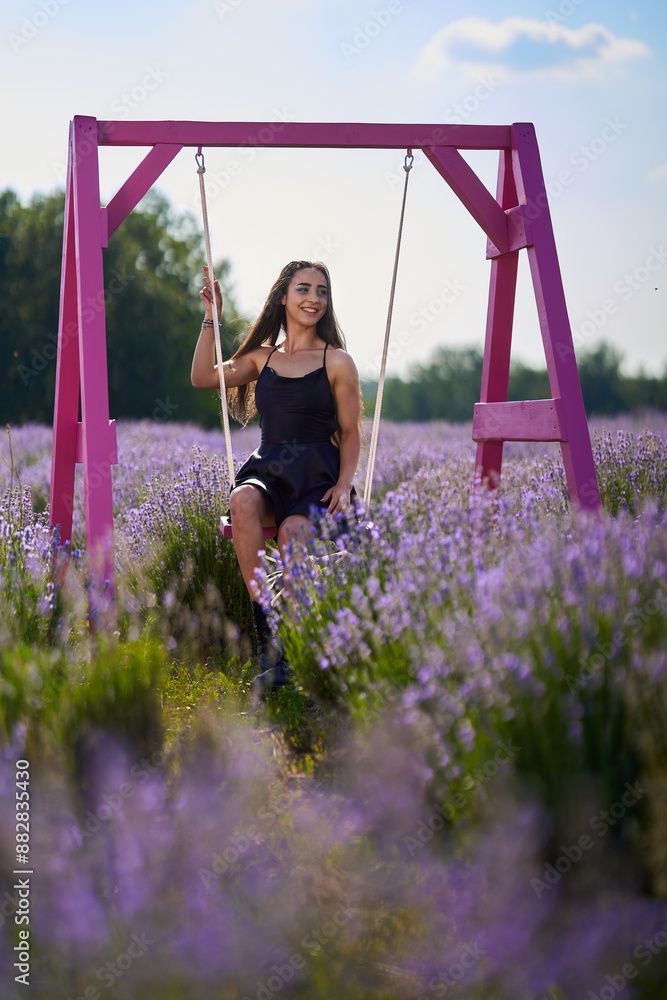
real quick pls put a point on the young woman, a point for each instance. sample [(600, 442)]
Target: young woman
[(307, 395)]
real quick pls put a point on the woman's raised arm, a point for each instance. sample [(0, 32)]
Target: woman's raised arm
[(204, 374)]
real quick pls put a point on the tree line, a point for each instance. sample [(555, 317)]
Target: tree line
[(152, 273), (448, 386)]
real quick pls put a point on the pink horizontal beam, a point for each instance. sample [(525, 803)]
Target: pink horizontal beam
[(465, 183), (138, 183), (371, 135), (532, 420)]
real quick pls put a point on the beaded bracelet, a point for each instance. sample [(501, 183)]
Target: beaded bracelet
[(207, 322)]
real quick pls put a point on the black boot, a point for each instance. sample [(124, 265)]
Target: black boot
[(274, 670)]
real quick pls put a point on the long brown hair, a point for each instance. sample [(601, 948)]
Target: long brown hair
[(267, 328)]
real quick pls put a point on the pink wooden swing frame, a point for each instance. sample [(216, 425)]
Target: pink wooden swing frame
[(517, 218)]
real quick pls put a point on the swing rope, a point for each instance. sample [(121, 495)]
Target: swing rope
[(370, 468), (201, 170)]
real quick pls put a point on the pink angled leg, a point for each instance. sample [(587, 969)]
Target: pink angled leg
[(499, 322), (66, 406), (554, 322), (97, 445)]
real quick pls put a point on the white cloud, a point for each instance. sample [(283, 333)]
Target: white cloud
[(659, 174), (593, 49)]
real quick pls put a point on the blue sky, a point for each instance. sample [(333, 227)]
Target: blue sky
[(590, 75)]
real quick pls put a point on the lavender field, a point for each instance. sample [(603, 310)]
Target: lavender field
[(464, 794)]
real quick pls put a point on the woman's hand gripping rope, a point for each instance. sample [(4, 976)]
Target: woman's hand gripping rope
[(207, 297)]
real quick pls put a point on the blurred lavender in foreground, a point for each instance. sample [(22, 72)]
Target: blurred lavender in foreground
[(224, 878)]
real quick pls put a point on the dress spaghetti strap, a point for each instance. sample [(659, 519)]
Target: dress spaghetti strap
[(324, 357), (269, 357)]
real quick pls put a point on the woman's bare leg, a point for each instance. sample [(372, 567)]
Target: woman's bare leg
[(295, 528), (251, 509)]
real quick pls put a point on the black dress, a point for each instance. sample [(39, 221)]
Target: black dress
[(296, 461)]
